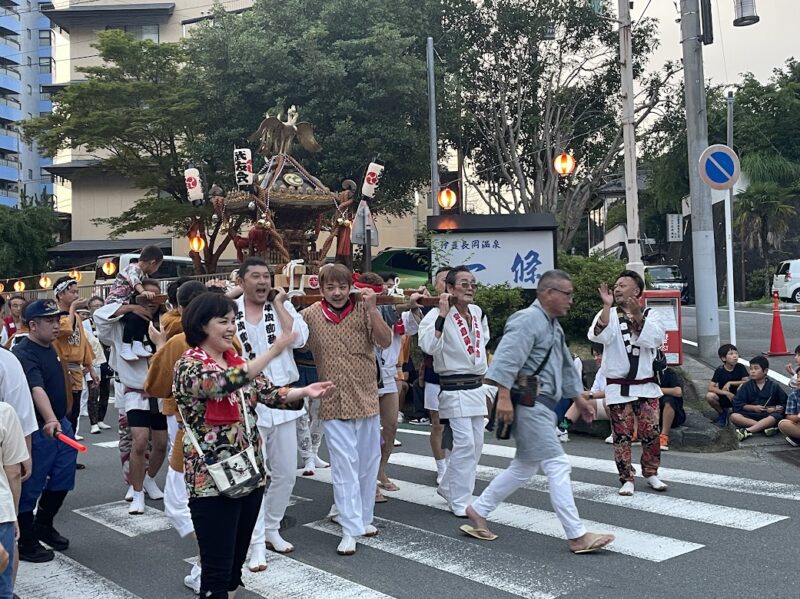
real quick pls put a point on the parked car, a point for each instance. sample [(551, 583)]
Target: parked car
[(412, 265), (786, 281), (667, 277)]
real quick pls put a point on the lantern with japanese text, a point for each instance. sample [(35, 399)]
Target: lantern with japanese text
[(242, 166), (372, 179), (194, 187), (447, 198)]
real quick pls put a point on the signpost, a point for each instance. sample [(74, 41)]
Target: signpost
[(719, 169)]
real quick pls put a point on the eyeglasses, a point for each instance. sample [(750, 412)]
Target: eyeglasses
[(567, 293), (466, 285)]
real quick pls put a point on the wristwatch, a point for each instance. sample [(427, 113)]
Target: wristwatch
[(591, 395)]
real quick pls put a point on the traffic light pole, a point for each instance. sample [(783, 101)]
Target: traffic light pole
[(703, 254), (432, 127), (729, 234)]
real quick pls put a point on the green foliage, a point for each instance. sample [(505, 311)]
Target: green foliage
[(27, 232), (587, 274), (354, 68), (757, 282), (499, 302)]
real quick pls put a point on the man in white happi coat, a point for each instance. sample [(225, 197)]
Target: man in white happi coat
[(456, 336), (259, 321)]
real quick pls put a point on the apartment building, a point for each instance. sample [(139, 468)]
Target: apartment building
[(26, 67)]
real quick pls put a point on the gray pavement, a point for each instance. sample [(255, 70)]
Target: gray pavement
[(732, 510)]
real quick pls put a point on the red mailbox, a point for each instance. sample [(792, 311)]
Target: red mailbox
[(668, 305)]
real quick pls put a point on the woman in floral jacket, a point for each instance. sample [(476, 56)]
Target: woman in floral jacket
[(210, 378)]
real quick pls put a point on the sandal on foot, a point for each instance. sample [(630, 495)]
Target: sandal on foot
[(388, 486), (379, 498), (484, 534), (598, 543)]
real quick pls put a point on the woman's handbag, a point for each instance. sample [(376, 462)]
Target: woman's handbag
[(236, 475)]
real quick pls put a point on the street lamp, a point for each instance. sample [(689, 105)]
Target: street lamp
[(447, 199), (564, 164), (745, 13)]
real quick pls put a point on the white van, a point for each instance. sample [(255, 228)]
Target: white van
[(786, 281)]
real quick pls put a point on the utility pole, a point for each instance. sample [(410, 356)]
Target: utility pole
[(703, 257), (629, 139), (432, 128), (729, 234)]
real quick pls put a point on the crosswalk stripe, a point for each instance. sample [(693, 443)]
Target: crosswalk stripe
[(664, 505), (288, 578), (630, 542), (107, 444), (721, 482), (708, 480), (66, 579), (465, 559), (115, 516)]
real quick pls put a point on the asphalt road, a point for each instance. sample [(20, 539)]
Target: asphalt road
[(709, 536), (753, 330)]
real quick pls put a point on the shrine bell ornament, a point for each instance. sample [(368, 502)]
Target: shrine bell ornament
[(242, 166), (194, 187), (372, 179)]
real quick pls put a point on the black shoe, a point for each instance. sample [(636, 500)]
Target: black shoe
[(80, 466), (35, 552), (49, 535)]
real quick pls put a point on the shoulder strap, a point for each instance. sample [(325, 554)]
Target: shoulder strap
[(188, 429), (544, 361)]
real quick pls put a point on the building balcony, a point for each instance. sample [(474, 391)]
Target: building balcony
[(9, 110), (9, 171), (9, 53), (9, 141), (9, 22), (9, 82), (101, 13)]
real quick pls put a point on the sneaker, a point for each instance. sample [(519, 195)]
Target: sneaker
[(49, 535), (664, 441), (151, 488), (563, 435), (722, 419), (419, 421), (126, 353), (793, 442), (137, 504), (768, 432), (140, 350), (103, 426), (95, 429), (610, 439), (78, 437), (33, 551), (742, 434), (193, 580)]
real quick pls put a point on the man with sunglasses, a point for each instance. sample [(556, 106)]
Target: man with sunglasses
[(533, 349), (456, 336)]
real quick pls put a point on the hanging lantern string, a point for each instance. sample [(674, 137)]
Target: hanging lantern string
[(38, 275)]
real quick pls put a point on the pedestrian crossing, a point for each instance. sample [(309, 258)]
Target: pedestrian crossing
[(660, 528)]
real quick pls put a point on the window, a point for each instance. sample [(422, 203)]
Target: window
[(140, 32), (45, 37), (30, 174), (45, 113), (29, 33), (45, 65), (30, 90)]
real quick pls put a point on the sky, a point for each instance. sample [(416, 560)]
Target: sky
[(758, 48)]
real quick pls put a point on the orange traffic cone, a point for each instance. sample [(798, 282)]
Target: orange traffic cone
[(777, 342)]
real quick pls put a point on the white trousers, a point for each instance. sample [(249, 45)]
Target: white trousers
[(279, 444), (176, 498), (458, 481), (355, 451), (518, 473), (309, 431)]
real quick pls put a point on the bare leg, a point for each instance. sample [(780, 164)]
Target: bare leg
[(138, 461), (437, 430), (713, 401), (158, 452), (763, 424), (667, 418), (388, 411)]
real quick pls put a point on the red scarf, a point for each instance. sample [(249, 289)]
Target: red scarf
[(224, 410), (331, 315)]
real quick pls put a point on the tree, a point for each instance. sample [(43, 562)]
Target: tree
[(27, 231), (519, 98), (354, 68)]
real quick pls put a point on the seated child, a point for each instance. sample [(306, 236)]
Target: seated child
[(759, 404), (671, 413), (596, 395), (790, 424), (726, 380), (126, 287)]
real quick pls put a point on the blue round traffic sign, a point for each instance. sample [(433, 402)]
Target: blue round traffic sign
[(719, 167)]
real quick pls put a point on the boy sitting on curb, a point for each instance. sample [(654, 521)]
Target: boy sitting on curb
[(726, 380), (759, 404)]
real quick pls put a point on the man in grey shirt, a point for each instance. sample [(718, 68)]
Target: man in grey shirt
[(532, 336)]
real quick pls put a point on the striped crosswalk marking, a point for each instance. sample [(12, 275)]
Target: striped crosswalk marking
[(115, 516), (287, 578), (630, 542), (465, 559), (66, 579), (721, 482), (107, 444), (664, 505)]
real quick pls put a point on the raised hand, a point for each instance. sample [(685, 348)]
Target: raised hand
[(605, 295)]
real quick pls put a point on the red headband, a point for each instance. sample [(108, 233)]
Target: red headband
[(358, 285)]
